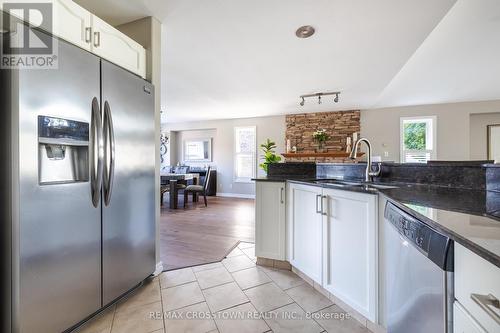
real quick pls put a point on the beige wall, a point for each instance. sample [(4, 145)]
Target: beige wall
[(381, 126), (455, 136), (223, 145), (478, 133)]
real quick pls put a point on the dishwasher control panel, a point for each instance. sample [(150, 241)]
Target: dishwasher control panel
[(414, 231), (431, 243)]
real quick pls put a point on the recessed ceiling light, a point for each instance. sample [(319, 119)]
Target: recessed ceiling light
[(305, 31)]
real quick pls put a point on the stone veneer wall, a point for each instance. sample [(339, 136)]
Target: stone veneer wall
[(339, 125)]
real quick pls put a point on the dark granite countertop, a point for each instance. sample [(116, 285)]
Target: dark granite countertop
[(469, 217), (321, 183), (284, 178)]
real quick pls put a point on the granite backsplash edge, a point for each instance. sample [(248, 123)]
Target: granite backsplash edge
[(464, 176)]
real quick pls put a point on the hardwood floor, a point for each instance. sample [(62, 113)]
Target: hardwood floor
[(199, 235)]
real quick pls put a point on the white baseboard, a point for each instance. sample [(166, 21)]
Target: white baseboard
[(236, 195), (159, 268)]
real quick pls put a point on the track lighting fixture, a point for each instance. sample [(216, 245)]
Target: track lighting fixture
[(319, 95)]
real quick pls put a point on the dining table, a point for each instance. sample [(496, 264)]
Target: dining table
[(172, 179)]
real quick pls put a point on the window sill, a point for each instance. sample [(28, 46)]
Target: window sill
[(243, 181)]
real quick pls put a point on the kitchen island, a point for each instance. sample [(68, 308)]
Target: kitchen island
[(349, 263)]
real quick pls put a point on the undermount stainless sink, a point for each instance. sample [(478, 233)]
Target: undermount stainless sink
[(382, 187), (342, 183)]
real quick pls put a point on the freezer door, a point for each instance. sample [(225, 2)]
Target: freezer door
[(57, 271), (128, 187)]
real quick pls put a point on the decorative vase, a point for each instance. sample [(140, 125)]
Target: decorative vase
[(348, 145), (321, 147)]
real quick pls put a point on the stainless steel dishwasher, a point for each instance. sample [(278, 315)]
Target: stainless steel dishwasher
[(418, 275)]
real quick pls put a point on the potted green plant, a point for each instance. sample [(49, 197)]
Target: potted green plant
[(320, 136), (270, 156)]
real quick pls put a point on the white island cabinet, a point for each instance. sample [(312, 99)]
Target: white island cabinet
[(331, 237), (305, 230), (463, 322), (270, 220), (477, 293), (350, 249)]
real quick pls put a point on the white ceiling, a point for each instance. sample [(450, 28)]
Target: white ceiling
[(459, 61), (236, 58)]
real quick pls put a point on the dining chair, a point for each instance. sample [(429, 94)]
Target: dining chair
[(198, 189), (181, 169), (165, 187)]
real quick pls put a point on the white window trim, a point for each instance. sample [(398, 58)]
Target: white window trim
[(401, 136), (254, 169)]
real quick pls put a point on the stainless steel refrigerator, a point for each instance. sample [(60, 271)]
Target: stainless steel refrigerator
[(77, 190)]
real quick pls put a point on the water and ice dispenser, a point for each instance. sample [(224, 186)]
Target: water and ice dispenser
[(63, 151)]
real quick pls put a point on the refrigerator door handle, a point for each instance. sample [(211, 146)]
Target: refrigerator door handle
[(96, 150), (109, 153)]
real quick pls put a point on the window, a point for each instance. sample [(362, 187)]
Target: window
[(418, 139), (245, 153)]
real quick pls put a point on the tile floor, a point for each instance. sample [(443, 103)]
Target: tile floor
[(208, 298)]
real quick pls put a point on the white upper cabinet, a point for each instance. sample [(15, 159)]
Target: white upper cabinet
[(110, 44), (69, 22), (270, 220), (304, 230), (350, 249), (72, 23), (77, 26)]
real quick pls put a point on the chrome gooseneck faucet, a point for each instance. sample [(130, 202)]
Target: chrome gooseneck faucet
[(369, 174)]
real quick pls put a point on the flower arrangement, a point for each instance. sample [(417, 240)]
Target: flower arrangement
[(320, 136)]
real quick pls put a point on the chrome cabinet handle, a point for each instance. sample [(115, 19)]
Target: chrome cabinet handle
[(486, 302), (88, 34), (96, 148), (318, 210), (109, 153), (281, 195), (97, 39), (323, 210)]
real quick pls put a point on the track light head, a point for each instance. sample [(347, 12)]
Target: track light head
[(319, 95)]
